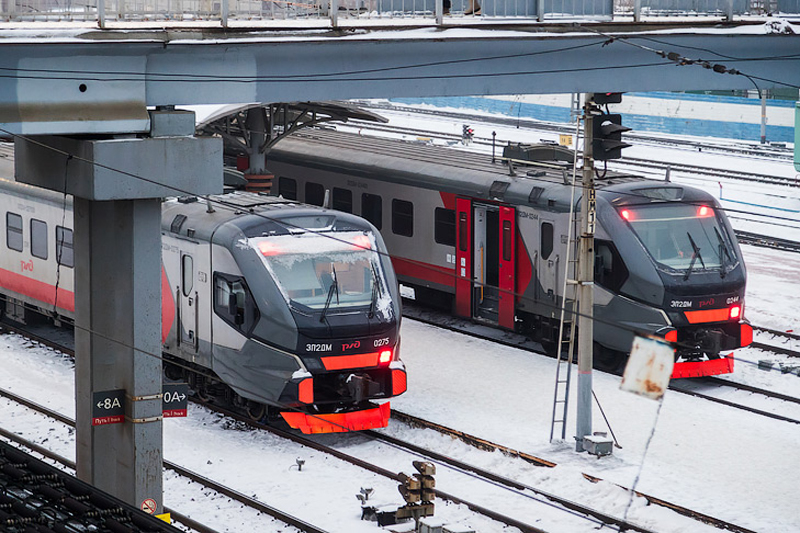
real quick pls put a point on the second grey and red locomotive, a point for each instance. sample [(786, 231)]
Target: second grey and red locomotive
[(490, 241)]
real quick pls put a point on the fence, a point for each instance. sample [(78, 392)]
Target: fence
[(319, 11)]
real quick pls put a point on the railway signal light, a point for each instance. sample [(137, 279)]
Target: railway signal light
[(410, 488), (427, 482), (467, 133), (607, 98), (607, 130)]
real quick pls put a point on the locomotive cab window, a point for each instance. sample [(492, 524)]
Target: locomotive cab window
[(287, 187), (14, 231), (402, 218), (609, 270), (682, 237), (315, 193), (39, 238), (444, 226), (546, 239), (64, 249), (233, 302), (372, 209), (342, 200)]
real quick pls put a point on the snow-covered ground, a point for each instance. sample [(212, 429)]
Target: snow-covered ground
[(714, 459)]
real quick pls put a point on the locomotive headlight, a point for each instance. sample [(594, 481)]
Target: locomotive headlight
[(704, 211), (735, 312), (385, 357)]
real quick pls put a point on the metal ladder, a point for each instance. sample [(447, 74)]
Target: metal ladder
[(564, 357), (569, 300)]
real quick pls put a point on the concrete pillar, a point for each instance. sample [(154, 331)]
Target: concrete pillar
[(258, 178), (117, 186), (118, 344)]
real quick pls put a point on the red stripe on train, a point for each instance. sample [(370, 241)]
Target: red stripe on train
[(38, 290), (424, 271)]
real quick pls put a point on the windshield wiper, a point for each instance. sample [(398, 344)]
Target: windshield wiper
[(723, 252), (695, 256), (333, 288), (376, 290)]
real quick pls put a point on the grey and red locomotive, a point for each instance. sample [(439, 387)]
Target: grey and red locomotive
[(275, 307)]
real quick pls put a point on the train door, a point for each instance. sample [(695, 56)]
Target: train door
[(187, 305), (547, 268), (485, 262)]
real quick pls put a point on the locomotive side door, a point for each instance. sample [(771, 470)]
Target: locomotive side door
[(507, 266), (186, 296), (463, 257)]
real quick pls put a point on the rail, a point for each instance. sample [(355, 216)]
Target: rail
[(329, 13)]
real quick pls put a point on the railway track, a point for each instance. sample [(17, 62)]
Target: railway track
[(751, 150), (209, 484), (600, 517), (596, 516), (639, 162)]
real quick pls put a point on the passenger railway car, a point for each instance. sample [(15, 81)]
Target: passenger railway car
[(489, 240), (267, 304)]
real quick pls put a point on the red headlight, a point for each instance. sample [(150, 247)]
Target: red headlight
[(385, 357), (735, 312)]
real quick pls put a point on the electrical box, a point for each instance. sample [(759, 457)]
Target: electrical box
[(598, 444), (430, 525)]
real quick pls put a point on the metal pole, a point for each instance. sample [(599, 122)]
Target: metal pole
[(101, 13), (586, 283), (763, 116)]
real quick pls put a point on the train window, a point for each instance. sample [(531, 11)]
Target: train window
[(546, 239), (342, 200), (315, 194), (507, 240), (609, 270), (402, 218), (187, 274), (372, 209), (287, 187), (444, 226), (64, 250), (463, 232), (233, 302), (39, 238), (14, 231)]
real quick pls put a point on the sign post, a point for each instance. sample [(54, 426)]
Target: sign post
[(108, 407), (175, 399)]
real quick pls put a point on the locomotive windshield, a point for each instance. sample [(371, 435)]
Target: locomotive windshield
[(327, 271), (682, 237)]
